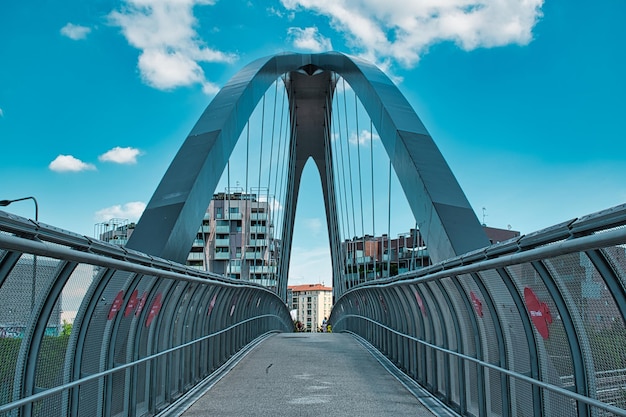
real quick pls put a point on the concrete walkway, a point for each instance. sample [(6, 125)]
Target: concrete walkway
[(308, 374)]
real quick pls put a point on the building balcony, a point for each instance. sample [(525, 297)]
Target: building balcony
[(195, 256), (232, 269), (221, 256), (222, 242), (254, 255), (259, 242), (118, 241), (258, 229), (205, 228), (198, 243), (258, 216), (265, 282), (233, 216), (262, 269), (222, 229)]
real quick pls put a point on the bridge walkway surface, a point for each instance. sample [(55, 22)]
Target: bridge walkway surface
[(312, 374)]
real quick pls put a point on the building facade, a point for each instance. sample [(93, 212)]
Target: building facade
[(22, 291), (116, 231), (371, 257), (236, 239), (312, 304)]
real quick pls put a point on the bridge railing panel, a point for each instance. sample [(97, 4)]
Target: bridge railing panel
[(92, 329), (532, 326)]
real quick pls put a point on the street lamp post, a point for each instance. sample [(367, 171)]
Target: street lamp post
[(4, 203)]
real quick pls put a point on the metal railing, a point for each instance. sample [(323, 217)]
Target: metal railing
[(92, 329), (534, 326)]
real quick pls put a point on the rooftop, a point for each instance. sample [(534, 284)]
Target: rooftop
[(309, 287)]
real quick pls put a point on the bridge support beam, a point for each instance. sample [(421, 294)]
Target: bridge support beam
[(444, 216)]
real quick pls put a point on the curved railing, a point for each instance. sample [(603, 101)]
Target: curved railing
[(530, 327), (93, 329)]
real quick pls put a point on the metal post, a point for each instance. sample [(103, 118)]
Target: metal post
[(4, 203)]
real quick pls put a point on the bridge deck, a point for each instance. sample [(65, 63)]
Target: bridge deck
[(308, 374)]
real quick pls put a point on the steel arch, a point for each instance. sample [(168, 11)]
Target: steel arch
[(444, 216)]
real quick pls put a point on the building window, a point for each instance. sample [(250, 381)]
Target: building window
[(234, 210), (218, 212)]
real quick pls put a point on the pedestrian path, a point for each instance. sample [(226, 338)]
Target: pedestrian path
[(308, 374)]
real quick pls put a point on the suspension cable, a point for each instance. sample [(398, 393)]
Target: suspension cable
[(389, 223), (343, 170), (331, 214), (373, 205), (339, 262), (345, 113), (349, 158), (292, 162), (258, 197), (358, 151), (280, 162), (336, 174), (227, 209), (269, 180), (246, 228), (282, 190), (344, 202)]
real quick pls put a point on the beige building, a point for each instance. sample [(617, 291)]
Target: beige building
[(312, 304)]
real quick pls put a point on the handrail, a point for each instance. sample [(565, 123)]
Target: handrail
[(547, 309), (133, 311)]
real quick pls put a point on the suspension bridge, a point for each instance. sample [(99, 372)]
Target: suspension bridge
[(531, 326)]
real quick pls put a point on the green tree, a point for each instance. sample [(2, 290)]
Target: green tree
[(66, 328)]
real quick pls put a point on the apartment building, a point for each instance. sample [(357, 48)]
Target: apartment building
[(235, 239), (312, 304), (371, 257)]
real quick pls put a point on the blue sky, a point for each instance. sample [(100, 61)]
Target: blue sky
[(525, 99)]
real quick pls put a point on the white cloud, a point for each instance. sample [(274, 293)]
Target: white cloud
[(171, 50), (67, 163), (75, 32), (120, 155), (310, 265), (364, 137), (273, 11), (274, 204), (403, 30), (314, 225), (131, 211), (309, 39)]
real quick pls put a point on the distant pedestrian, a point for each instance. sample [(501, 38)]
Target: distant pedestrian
[(324, 325)]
